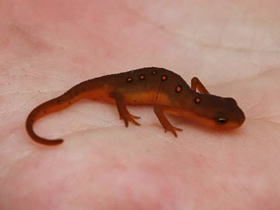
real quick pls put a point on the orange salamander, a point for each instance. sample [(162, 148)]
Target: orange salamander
[(161, 88)]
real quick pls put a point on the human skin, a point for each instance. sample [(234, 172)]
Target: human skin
[(48, 46)]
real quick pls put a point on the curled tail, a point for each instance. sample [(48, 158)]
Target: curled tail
[(44, 109)]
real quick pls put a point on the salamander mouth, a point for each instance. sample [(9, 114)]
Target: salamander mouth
[(225, 124), (219, 123), (230, 125)]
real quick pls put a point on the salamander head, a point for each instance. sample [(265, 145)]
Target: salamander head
[(217, 112)]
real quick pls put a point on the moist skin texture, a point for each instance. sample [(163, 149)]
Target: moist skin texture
[(47, 46)]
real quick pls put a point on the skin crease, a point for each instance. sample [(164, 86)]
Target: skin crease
[(49, 46)]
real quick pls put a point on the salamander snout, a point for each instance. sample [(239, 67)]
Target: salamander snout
[(231, 118)]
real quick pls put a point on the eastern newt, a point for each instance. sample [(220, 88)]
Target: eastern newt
[(161, 88)]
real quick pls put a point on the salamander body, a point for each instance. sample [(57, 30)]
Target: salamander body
[(165, 90)]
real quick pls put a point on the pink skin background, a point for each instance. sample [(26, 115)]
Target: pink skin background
[(48, 46)]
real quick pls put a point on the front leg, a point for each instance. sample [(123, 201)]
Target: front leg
[(123, 112), (164, 121), (197, 85)]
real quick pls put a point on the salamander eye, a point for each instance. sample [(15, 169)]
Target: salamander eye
[(221, 120), (197, 100)]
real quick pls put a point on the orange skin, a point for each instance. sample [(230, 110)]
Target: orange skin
[(163, 89)]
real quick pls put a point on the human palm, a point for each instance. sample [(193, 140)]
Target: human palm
[(49, 46)]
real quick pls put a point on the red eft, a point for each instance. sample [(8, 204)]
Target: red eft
[(161, 88)]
